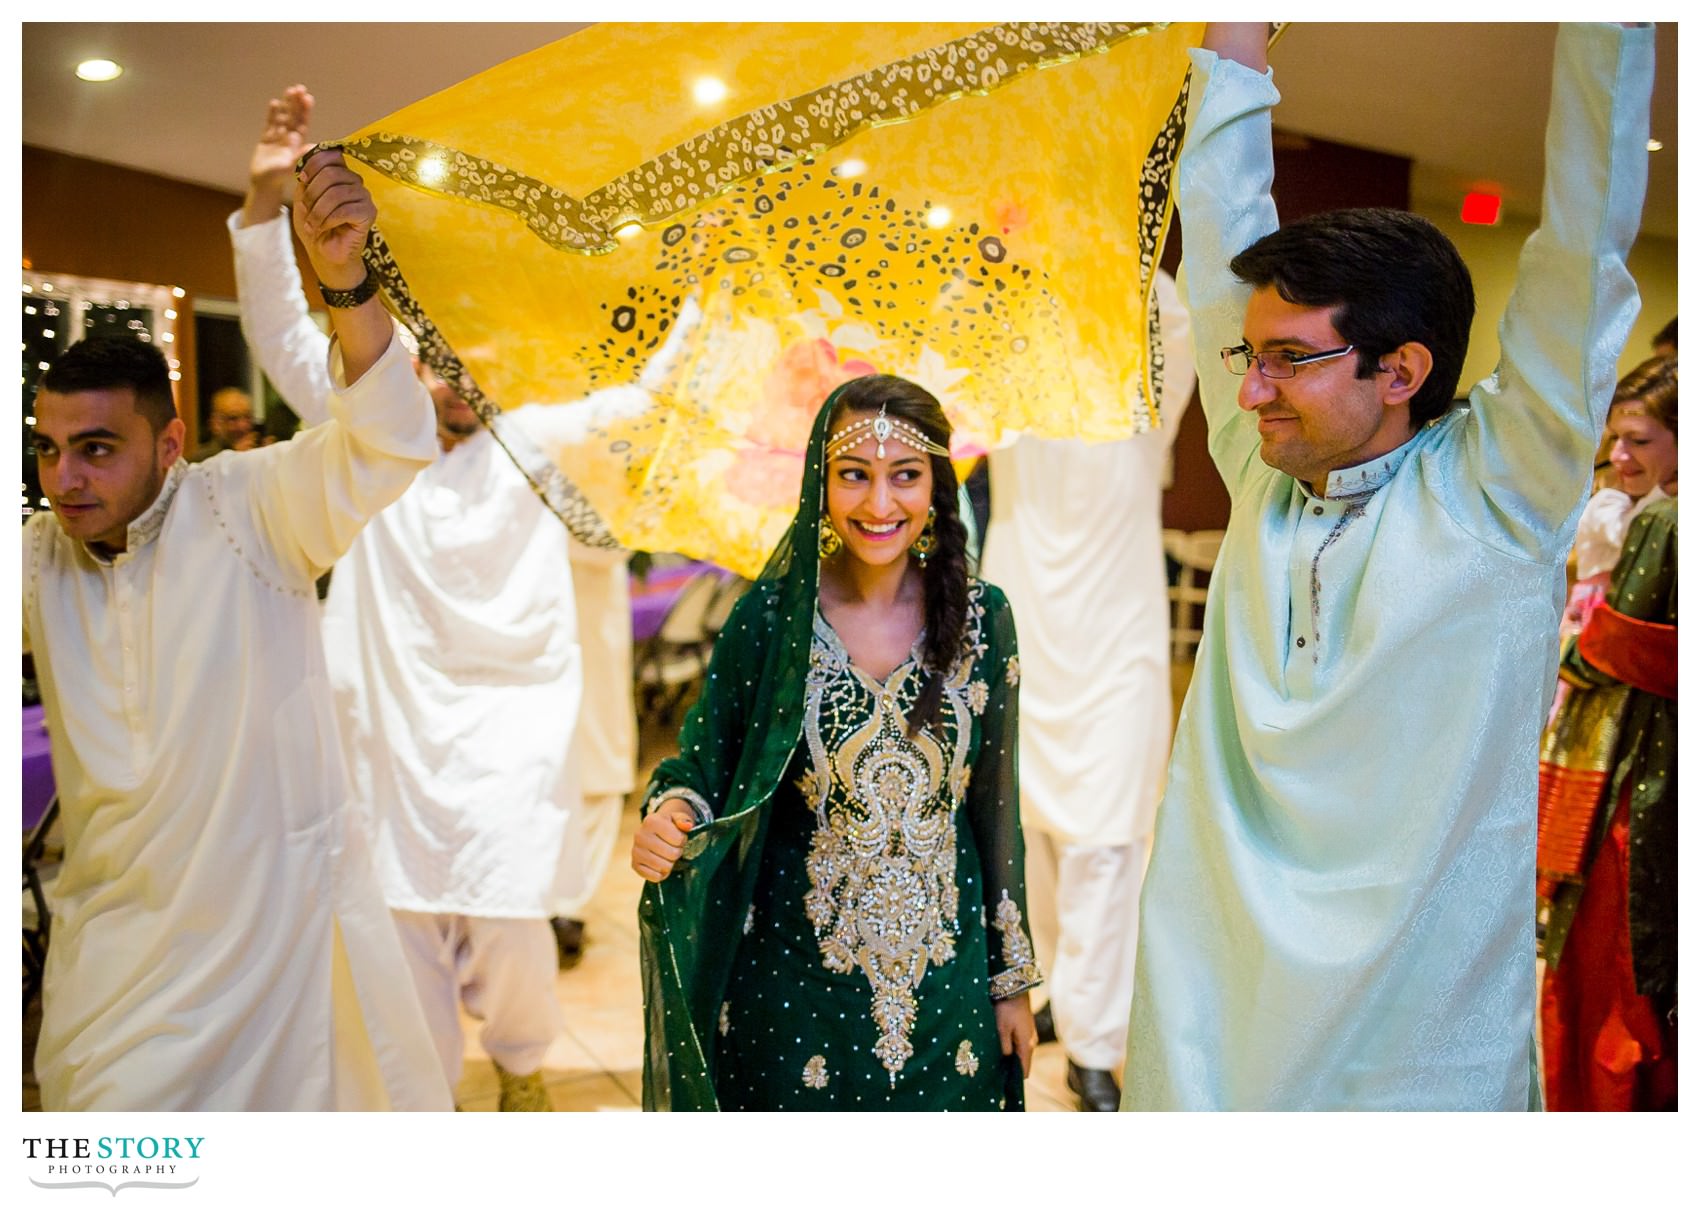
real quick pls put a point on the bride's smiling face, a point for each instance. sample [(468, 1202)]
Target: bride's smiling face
[(878, 503)]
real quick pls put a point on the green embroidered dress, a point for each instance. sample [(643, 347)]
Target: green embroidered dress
[(836, 934)]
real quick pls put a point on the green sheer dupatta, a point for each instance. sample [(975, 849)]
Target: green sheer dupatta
[(734, 748)]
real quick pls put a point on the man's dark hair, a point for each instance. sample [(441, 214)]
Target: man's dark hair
[(100, 363), (1389, 277), (1666, 335)]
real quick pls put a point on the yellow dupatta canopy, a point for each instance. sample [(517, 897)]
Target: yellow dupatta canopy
[(977, 208)]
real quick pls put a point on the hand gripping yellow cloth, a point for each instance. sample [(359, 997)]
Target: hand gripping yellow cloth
[(977, 208)]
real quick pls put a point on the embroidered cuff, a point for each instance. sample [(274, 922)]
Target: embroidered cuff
[(1022, 972), (1011, 982), (699, 806)]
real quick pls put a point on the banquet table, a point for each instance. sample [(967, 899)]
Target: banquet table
[(38, 767), (653, 596)]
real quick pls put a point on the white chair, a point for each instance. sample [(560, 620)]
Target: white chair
[(676, 657), (732, 588), (1195, 552)]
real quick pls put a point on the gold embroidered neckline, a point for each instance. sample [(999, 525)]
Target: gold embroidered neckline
[(880, 686)]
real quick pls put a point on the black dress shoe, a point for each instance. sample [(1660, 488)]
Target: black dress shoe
[(569, 940), (1097, 1089), (1044, 1025)]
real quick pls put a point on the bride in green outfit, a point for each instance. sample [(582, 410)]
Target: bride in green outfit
[(836, 914)]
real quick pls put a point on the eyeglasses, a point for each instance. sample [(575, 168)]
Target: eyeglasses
[(1275, 364)]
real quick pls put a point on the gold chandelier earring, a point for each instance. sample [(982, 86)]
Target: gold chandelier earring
[(830, 543), (927, 540)]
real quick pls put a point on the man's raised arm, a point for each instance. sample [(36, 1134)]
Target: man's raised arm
[(1535, 422), (333, 216), (1222, 183), (275, 320), (312, 495)]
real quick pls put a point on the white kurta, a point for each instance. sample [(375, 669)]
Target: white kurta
[(1604, 524), (219, 940), (1339, 911), (605, 746), (1076, 542), (451, 632)]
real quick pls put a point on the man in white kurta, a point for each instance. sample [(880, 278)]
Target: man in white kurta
[(1076, 542), (1339, 911), (452, 637), (605, 745), (219, 938), (453, 648)]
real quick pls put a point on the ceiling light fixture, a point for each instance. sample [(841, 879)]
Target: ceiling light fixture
[(95, 71)]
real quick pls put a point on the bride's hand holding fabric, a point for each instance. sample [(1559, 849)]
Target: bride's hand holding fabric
[(661, 840)]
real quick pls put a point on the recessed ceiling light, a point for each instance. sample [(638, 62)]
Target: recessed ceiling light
[(708, 90), (97, 70), (1653, 145)]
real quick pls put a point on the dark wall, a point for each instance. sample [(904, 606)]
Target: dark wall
[(103, 221), (1311, 175)]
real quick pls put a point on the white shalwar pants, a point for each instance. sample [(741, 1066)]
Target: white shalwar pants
[(1083, 907), (587, 845), (501, 969)]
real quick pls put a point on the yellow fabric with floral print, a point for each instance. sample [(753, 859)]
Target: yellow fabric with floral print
[(977, 208)]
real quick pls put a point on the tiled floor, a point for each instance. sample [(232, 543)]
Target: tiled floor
[(597, 1063)]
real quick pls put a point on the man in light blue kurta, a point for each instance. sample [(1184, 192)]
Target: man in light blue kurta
[(1340, 906)]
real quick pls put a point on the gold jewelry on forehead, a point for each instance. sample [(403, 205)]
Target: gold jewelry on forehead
[(882, 428)]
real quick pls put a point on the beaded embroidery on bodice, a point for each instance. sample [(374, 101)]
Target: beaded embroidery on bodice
[(882, 894)]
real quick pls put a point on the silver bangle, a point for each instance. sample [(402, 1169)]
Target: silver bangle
[(699, 806)]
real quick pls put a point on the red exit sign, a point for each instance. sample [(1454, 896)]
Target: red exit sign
[(1480, 208)]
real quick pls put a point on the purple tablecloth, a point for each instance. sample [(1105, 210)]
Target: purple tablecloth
[(654, 596), (38, 767)]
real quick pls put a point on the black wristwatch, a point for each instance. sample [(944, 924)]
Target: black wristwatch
[(353, 297)]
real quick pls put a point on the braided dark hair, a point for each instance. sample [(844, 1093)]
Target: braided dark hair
[(945, 579)]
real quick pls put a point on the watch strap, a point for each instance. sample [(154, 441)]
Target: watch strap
[(354, 296)]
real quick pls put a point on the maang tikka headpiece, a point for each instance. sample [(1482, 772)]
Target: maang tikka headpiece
[(882, 428)]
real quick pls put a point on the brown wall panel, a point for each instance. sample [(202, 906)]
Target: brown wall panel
[(103, 221)]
